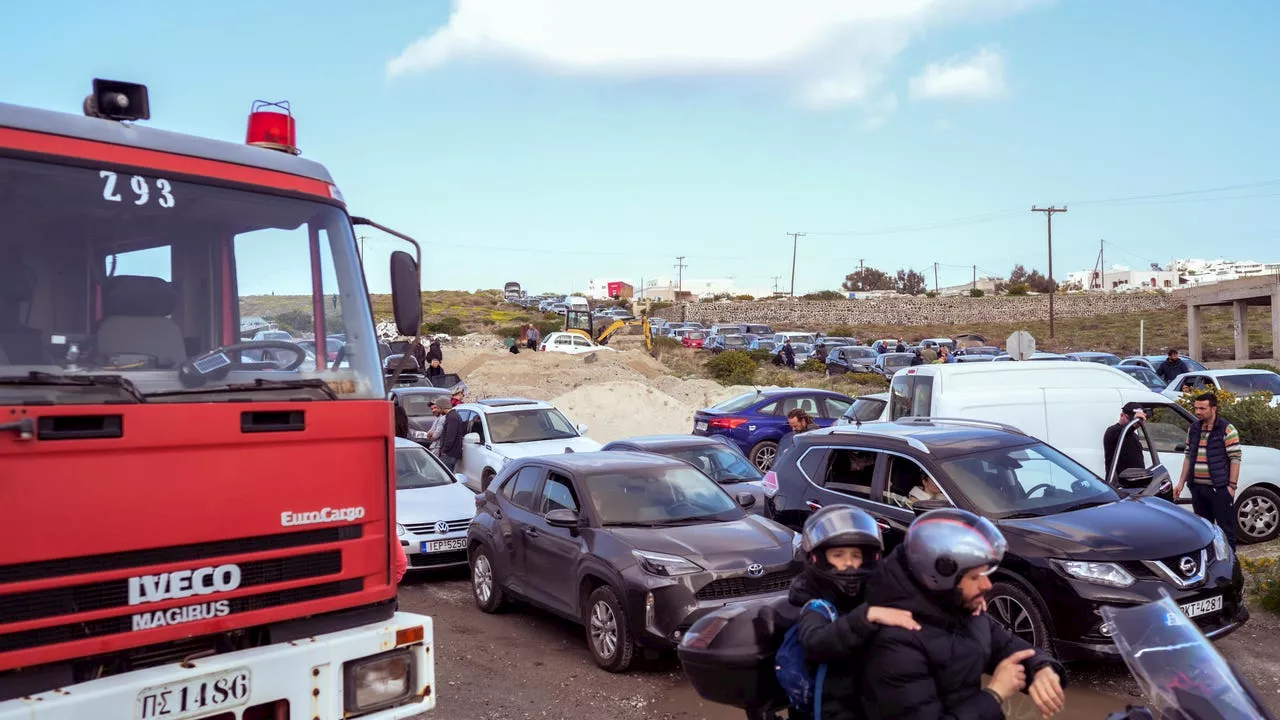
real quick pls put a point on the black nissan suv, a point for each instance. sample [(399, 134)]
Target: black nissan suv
[(1075, 542)]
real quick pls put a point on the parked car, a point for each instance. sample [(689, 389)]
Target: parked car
[(757, 329), (499, 430), (716, 456), (1240, 382), (1070, 405), (887, 345), (433, 509), (571, 343), (987, 351), (1144, 375), (719, 343), (693, 339), (763, 344), (830, 341), (332, 346), (1104, 358), (938, 343), (866, 408), (850, 358), (1152, 362), (889, 363), (634, 546), (803, 352), (1039, 356), (756, 421), (417, 406), (795, 337), (1075, 543)]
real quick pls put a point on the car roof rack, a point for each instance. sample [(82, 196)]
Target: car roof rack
[(959, 421)]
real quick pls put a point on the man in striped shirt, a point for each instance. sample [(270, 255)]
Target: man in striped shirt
[(1212, 466)]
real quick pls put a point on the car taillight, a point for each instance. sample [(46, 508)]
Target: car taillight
[(770, 483), (726, 423)]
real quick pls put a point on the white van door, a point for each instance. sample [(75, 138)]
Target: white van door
[(1077, 419)]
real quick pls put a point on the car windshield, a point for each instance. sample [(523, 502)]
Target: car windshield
[(112, 275), (1025, 480), (896, 360), (1100, 359), (417, 404), (695, 335), (415, 468), (801, 348), (1192, 365), (521, 426), (735, 341), (721, 464), (1143, 375), (865, 409), (659, 496), (859, 352), (736, 404), (1250, 383)]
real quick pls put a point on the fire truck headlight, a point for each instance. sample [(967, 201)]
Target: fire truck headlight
[(380, 681)]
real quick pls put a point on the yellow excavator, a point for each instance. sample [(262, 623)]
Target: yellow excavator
[(579, 320)]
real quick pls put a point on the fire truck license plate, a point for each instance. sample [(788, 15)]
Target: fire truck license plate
[(430, 546), (197, 696)]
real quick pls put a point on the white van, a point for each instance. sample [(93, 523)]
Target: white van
[(1070, 405)]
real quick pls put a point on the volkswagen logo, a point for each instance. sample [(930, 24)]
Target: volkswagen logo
[(442, 527), (1187, 565), (755, 569)]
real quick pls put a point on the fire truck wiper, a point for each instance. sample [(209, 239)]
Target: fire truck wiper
[(36, 377), (257, 385)]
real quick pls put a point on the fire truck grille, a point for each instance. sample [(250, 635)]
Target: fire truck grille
[(115, 593), (178, 553), (124, 624)]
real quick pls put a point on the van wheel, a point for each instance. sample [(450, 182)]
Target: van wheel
[(1014, 608), (485, 585), (764, 454), (608, 632), (1258, 515), (485, 478)]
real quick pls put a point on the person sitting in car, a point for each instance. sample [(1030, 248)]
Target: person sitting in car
[(926, 489)]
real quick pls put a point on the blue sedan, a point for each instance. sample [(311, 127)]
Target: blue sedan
[(756, 421)]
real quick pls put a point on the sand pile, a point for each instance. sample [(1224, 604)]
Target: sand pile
[(614, 410)]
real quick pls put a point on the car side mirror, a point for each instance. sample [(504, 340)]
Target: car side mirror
[(582, 428), (1180, 448), (471, 438), (924, 506), (562, 518), (406, 293), (745, 499)]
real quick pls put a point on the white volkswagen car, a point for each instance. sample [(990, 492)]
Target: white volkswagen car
[(499, 430), (433, 509), (571, 343)]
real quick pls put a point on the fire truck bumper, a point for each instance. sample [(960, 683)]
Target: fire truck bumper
[(376, 672)]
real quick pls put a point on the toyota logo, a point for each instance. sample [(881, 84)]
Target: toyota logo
[(755, 569), (442, 527), (1187, 565)]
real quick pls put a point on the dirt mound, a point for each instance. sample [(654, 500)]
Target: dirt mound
[(615, 410)]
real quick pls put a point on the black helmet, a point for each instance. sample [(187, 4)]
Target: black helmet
[(840, 526), (943, 545)]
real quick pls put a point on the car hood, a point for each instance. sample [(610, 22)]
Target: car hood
[(546, 447), (1131, 529), (431, 504), (719, 547)]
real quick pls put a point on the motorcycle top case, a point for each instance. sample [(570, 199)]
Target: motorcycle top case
[(728, 654)]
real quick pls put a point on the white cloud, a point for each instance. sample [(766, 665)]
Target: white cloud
[(825, 53), (980, 75)]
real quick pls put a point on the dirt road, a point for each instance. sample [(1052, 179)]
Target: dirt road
[(528, 665)]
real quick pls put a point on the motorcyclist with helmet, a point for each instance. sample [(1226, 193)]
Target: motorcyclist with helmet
[(940, 575), (842, 545)]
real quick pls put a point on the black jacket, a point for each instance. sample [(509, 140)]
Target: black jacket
[(934, 673), (434, 352), (838, 645), (1170, 370), (1130, 452), (451, 436)]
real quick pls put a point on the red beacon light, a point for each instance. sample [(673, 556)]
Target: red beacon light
[(272, 129)]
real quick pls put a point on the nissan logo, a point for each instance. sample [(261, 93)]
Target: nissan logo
[(755, 569), (1187, 565), (442, 527)]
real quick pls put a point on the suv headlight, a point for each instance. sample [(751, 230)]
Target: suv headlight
[(796, 541), (1221, 549), (1100, 573), (664, 565)]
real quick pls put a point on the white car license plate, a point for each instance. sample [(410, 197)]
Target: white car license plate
[(1203, 607), (700, 426), (198, 696), (434, 546)]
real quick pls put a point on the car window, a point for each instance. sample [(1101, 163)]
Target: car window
[(415, 468), (909, 482), (850, 472), (722, 464), (1027, 480), (1167, 427), (474, 425), (835, 407), (1247, 384), (520, 491), (564, 340), (581, 342), (660, 495), (865, 409), (806, 403), (557, 494), (770, 409), (520, 426)]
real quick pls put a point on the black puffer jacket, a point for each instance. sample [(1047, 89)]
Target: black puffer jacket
[(838, 645), (936, 672)]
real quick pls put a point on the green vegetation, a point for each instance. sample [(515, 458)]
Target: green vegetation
[(732, 367), (1263, 576)]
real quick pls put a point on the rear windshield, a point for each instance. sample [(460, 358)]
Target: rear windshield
[(737, 404), (865, 409)]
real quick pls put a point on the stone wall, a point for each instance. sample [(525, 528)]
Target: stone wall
[(906, 310)]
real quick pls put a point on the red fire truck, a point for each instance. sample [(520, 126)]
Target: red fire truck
[(197, 524)]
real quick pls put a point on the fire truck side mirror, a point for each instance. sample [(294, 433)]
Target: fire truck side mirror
[(406, 293)]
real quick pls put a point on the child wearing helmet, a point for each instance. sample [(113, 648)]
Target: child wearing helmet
[(842, 545), (940, 574)]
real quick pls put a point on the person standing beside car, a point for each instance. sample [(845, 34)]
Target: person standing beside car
[(1130, 451), (1172, 367), (1212, 466), (450, 434), (800, 422)]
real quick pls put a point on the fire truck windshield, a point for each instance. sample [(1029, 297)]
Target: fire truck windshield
[(190, 292)]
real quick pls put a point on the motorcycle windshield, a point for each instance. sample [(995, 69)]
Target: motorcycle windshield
[(1180, 672)]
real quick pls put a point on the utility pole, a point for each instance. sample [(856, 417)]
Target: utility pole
[(935, 278), (795, 241), (975, 277), (1102, 260), (776, 278), (362, 239), (680, 266), (1048, 215)]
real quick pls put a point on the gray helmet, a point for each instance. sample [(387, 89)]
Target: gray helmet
[(943, 545), (840, 526)]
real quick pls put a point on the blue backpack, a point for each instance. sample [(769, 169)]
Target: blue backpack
[(803, 687)]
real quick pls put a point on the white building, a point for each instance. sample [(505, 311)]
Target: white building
[(1119, 278), (1200, 272)]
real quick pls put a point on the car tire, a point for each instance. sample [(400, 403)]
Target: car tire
[(486, 587), (1257, 515), (608, 632), (764, 454), (486, 477), (1015, 608)]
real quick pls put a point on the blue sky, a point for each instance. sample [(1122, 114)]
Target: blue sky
[(552, 141)]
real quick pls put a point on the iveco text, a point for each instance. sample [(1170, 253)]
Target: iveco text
[(183, 583), (327, 515)]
